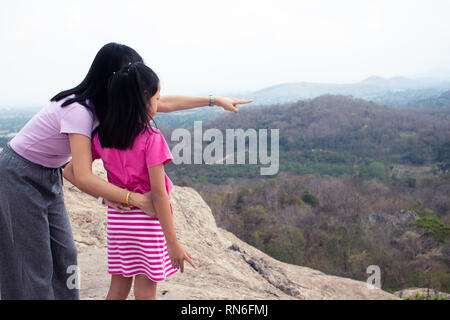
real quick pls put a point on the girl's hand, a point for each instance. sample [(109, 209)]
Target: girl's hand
[(121, 207), (143, 202), (178, 254), (230, 104)]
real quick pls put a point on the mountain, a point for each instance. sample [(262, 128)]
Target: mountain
[(228, 268), (436, 102), (395, 91)]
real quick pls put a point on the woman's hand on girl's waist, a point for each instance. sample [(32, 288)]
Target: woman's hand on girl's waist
[(143, 202), (121, 207)]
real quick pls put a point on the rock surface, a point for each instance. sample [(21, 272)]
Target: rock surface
[(390, 222), (228, 268)]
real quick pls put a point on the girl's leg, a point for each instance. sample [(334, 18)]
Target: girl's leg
[(144, 288), (120, 287)]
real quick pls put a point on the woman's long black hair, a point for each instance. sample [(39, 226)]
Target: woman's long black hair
[(110, 58), (128, 91)]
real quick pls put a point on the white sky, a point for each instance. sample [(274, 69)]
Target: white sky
[(210, 46)]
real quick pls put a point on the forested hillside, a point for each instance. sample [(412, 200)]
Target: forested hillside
[(335, 136), (359, 184), (433, 103)]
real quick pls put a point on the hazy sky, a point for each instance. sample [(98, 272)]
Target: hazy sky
[(203, 46)]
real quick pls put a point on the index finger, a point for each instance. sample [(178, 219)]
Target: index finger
[(245, 101), (188, 259)]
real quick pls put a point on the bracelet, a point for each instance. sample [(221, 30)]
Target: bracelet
[(211, 100), (128, 196)]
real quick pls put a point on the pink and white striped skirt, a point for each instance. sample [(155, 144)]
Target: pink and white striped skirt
[(136, 245)]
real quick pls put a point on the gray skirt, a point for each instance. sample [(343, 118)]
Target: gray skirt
[(38, 256)]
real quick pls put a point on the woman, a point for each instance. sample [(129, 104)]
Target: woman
[(37, 251)]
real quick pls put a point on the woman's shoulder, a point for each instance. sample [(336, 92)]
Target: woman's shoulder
[(76, 105), (75, 108)]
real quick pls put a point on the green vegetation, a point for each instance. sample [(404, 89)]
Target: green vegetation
[(324, 227), (286, 245), (422, 212), (429, 223), (418, 296), (434, 227), (341, 159), (310, 199), (406, 134), (442, 156), (337, 136)]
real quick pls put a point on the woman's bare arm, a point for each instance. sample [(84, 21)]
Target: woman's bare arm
[(68, 173), (170, 103)]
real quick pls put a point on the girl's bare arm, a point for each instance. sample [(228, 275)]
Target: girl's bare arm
[(161, 202), (79, 173)]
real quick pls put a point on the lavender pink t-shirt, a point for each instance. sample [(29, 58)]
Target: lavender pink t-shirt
[(44, 139), (128, 168)]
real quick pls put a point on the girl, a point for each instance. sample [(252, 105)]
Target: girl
[(36, 243), (134, 154)]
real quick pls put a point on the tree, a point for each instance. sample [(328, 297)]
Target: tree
[(442, 156), (287, 245), (310, 199)]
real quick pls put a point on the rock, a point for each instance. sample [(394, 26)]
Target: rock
[(228, 268), (390, 222)]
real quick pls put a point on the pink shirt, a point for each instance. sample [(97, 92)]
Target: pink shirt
[(44, 139), (129, 168)]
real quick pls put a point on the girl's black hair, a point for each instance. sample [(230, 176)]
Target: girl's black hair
[(110, 58), (128, 91)]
